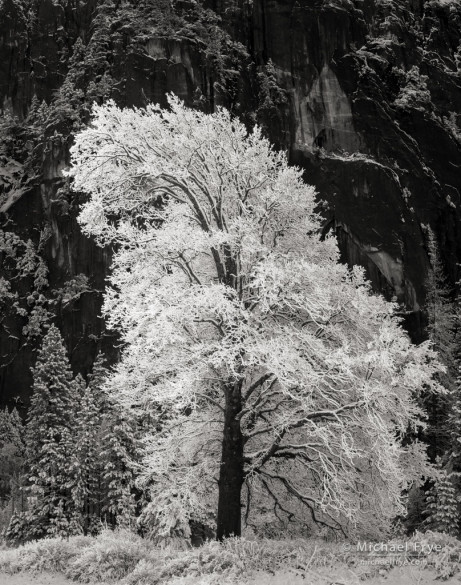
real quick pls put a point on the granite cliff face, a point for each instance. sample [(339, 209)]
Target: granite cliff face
[(373, 90), (364, 94)]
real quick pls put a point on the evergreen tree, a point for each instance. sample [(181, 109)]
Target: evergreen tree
[(11, 465), (50, 438), (68, 101), (442, 319), (118, 452), (444, 422), (96, 383), (441, 311), (455, 424), (442, 503), (87, 464), (11, 432), (99, 46), (454, 454), (105, 452), (80, 446)]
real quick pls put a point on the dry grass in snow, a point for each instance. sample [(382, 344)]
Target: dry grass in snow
[(126, 559)]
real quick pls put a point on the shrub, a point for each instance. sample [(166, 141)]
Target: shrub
[(231, 561), (50, 554), (447, 561), (112, 556)]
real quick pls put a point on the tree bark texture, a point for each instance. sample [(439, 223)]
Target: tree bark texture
[(231, 474)]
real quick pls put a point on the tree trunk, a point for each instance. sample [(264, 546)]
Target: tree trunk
[(231, 473)]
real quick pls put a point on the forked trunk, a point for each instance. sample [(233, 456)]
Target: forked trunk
[(231, 473)]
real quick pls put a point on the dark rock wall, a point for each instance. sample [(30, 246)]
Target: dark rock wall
[(364, 94), (386, 166)]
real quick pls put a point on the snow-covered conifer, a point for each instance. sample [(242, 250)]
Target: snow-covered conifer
[(119, 451), (50, 437), (443, 503), (441, 309)]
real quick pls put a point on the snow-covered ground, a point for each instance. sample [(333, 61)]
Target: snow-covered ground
[(398, 576), (31, 579), (122, 558)]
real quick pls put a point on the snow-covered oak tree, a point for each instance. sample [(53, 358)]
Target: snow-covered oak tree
[(272, 373)]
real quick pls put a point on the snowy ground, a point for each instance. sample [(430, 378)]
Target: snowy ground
[(30, 579), (398, 576), (121, 557)]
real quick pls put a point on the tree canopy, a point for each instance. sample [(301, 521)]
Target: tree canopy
[(275, 379)]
